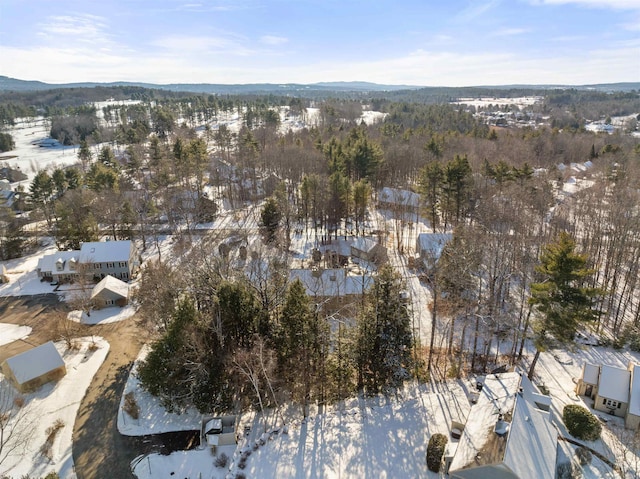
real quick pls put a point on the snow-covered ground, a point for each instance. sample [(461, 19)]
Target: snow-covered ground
[(23, 278), (31, 158), (53, 402), (382, 437), (103, 316), (484, 102), (13, 332), (153, 417)]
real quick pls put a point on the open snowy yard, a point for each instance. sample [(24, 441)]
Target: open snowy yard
[(373, 437), (54, 403)]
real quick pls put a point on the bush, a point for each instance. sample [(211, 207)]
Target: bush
[(222, 460), (581, 423), (568, 470), (435, 451), (131, 406), (584, 455)]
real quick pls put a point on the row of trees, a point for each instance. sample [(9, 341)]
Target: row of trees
[(219, 345)]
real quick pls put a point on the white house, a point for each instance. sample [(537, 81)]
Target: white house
[(508, 434), (614, 390), (95, 259)]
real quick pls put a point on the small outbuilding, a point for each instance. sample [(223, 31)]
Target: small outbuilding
[(108, 292), (368, 249), (29, 370), (220, 431)]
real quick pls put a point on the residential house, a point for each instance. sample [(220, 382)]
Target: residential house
[(508, 434), (400, 201), (108, 292), (95, 259), (614, 390), (429, 247), (59, 267), (329, 289), (29, 370), (368, 249), (7, 195), (632, 421), (115, 258)]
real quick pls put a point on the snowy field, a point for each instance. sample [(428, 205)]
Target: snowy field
[(103, 316), (13, 332), (53, 402), (485, 102), (31, 158)]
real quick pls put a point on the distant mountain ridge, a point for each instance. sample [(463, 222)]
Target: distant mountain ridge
[(17, 85)]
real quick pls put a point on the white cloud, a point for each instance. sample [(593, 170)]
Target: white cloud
[(475, 10), (615, 4), (82, 27), (617, 62), (508, 32), (273, 40)]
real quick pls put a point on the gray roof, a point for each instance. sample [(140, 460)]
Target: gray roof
[(364, 244), (35, 362), (48, 262), (614, 383), (105, 251), (114, 285), (528, 451), (331, 282), (590, 373), (433, 243), (399, 197)]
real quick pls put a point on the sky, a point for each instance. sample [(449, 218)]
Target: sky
[(398, 42)]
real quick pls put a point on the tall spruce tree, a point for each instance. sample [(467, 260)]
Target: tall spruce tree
[(383, 337), (561, 299)]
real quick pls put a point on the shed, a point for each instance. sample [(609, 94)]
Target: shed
[(110, 291), (220, 431), (35, 367)]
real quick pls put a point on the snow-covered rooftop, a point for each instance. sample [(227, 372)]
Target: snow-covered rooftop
[(529, 446), (105, 251), (49, 262), (331, 282), (634, 397), (109, 283), (35, 362), (433, 243), (614, 383), (364, 244), (590, 373), (399, 197)]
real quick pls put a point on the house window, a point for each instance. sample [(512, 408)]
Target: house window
[(612, 404), (125, 275), (108, 302), (110, 265), (123, 264), (97, 266)]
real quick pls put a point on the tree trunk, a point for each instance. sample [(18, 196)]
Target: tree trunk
[(533, 365)]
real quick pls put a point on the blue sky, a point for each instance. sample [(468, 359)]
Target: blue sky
[(417, 42)]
